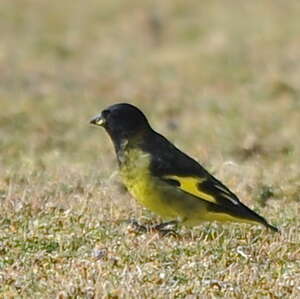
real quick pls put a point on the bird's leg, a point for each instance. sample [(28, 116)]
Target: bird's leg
[(135, 226), (163, 229), (163, 225)]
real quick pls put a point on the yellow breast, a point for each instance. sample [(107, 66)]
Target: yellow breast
[(136, 176)]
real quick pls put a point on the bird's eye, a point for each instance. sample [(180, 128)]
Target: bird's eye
[(105, 113)]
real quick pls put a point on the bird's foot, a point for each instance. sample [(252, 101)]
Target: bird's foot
[(134, 226), (163, 228), (166, 228)]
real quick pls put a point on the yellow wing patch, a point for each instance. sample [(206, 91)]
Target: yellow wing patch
[(191, 185)]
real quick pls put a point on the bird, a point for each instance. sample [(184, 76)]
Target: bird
[(163, 178)]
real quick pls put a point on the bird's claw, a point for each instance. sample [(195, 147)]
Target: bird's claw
[(134, 226), (161, 228)]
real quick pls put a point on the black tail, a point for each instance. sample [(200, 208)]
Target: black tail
[(271, 227), (251, 215)]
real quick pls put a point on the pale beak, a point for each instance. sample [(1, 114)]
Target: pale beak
[(98, 120)]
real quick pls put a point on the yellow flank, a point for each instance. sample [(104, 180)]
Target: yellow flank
[(222, 217), (190, 185), (194, 219)]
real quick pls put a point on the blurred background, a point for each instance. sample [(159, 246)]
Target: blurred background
[(220, 79)]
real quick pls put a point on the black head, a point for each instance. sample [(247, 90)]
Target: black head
[(121, 121)]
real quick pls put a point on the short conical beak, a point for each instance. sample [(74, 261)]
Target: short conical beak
[(98, 120)]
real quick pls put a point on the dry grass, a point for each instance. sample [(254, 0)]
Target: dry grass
[(221, 80)]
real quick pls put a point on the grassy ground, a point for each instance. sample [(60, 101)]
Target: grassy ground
[(220, 79)]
